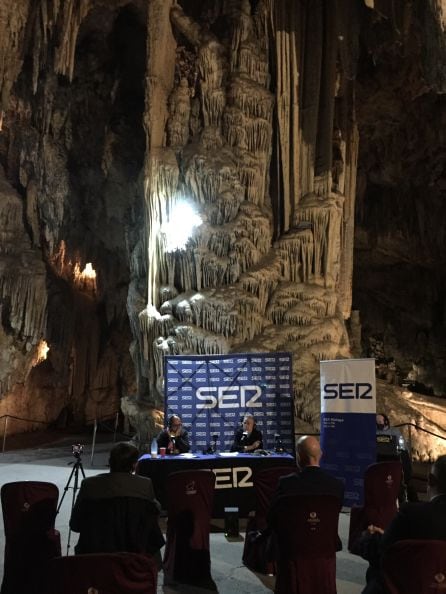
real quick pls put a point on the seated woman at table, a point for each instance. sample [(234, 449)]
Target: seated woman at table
[(248, 438), (174, 438)]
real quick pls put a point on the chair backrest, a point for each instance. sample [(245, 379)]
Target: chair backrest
[(29, 506), (116, 524), (382, 482), (265, 485), (190, 496), (108, 573), (415, 567), (189, 506), (29, 511), (307, 525), (305, 528)]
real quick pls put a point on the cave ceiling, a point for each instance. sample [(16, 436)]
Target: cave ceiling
[(308, 136)]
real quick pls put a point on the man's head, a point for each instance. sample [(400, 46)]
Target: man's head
[(436, 481), (382, 421), (123, 457), (174, 423), (248, 423), (309, 451)]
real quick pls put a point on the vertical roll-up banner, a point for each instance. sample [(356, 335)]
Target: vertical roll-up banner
[(348, 425)]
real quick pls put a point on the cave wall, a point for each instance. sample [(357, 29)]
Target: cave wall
[(293, 129), (399, 280)]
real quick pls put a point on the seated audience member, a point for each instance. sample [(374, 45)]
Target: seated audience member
[(423, 520), (174, 438), (117, 511), (311, 479), (248, 438)]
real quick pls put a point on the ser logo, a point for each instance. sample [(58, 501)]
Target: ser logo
[(348, 391), (229, 397), (233, 478)]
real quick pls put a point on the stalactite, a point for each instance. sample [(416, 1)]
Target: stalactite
[(71, 17), (13, 19), (297, 249), (252, 64), (253, 101)]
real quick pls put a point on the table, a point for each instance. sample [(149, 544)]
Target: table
[(233, 475)]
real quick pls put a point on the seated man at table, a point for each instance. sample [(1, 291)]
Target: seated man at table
[(117, 511), (248, 438), (174, 438)]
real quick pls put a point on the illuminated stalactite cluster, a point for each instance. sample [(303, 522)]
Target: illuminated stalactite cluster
[(234, 286), (22, 292), (250, 116)]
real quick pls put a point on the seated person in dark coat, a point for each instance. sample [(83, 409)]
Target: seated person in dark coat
[(248, 438), (421, 520), (117, 511), (174, 438), (311, 479)]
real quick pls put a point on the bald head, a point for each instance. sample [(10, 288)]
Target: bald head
[(309, 451)]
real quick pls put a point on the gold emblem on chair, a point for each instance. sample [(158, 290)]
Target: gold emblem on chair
[(389, 480), (26, 506), (313, 520), (439, 578), (190, 488)]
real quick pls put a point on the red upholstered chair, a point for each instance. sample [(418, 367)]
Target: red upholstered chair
[(29, 510), (382, 482), (415, 567), (189, 507), (104, 573), (305, 528), (265, 486)]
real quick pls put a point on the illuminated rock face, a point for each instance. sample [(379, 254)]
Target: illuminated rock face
[(268, 269), (114, 112)]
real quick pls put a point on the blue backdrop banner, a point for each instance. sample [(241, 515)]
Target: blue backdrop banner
[(348, 426), (211, 393)]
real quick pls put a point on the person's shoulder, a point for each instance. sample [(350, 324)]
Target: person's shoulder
[(287, 478), (97, 478)]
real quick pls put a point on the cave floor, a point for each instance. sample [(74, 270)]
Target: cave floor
[(50, 462)]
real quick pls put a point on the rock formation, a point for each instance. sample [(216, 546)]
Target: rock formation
[(271, 120)]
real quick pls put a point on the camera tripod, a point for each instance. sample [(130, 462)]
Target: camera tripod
[(73, 475)]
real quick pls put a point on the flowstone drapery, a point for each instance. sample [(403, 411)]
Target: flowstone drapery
[(263, 270), (115, 112)]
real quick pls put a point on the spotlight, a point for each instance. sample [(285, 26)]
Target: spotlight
[(178, 229)]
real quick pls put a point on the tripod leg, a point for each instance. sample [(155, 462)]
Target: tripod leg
[(67, 486), (75, 489)]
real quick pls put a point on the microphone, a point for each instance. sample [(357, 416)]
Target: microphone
[(244, 435), (278, 443)]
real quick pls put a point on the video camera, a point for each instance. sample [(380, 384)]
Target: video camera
[(77, 450)]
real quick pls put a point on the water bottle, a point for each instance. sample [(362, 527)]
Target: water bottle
[(154, 448)]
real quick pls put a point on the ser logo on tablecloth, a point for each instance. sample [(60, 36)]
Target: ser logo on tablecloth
[(233, 478)]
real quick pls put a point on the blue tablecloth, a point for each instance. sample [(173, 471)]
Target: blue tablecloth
[(233, 473)]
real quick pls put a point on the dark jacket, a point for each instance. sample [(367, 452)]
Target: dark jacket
[(181, 442), (240, 440), (312, 480), (424, 521), (116, 512), (418, 520)]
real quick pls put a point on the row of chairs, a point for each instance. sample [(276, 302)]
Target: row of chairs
[(305, 560)]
